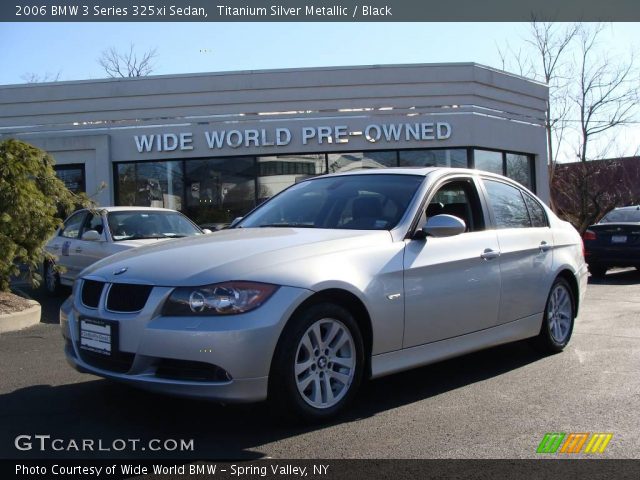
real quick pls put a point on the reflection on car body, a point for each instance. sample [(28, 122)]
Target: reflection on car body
[(337, 278)]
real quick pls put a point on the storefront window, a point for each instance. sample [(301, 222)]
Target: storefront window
[(434, 158), (344, 162), (219, 189), (519, 169), (277, 172), (151, 184), (488, 161), (72, 176), (214, 191)]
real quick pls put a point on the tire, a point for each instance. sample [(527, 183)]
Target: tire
[(597, 271), (51, 280), (558, 320), (311, 380)]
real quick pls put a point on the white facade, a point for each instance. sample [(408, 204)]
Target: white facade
[(279, 126)]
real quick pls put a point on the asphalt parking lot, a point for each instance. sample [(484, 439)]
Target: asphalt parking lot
[(497, 403)]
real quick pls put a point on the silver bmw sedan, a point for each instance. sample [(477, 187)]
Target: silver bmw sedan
[(336, 279)]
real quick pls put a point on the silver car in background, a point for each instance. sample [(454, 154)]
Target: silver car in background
[(87, 236), (336, 279)]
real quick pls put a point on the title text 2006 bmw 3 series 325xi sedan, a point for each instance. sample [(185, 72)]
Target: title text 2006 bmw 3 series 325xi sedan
[(336, 279)]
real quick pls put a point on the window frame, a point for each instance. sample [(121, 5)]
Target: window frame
[(472, 179), (87, 221)]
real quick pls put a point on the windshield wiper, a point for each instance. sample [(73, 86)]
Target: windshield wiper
[(288, 225), (143, 237)]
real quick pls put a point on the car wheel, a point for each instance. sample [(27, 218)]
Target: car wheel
[(52, 280), (318, 364), (597, 271), (558, 320)]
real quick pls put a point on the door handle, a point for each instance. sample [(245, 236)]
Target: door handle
[(490, 254), (78, 249), (544, 246)]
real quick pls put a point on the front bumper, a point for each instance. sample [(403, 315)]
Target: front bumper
[(240, 347)]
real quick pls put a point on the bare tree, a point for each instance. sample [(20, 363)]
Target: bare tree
[(546, 60), (31, 77), (611, 184), (590, 94), (606, 97), (607, 92), (127, 64), (551, 44)]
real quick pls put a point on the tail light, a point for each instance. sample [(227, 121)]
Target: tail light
[(589, 235)]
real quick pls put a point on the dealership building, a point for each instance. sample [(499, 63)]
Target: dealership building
[(214, 145)]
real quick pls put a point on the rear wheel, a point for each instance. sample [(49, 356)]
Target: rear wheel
[(52, 280), (598, 271), (559, 316), (318, 363)]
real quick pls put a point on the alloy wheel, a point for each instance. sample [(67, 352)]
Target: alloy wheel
[(559, 313), (51, 278), (325, 363)]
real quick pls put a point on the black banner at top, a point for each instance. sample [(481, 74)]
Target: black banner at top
[(317, 10)]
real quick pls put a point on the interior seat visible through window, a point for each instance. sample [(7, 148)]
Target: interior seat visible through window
[(460, 199), (366, 211)]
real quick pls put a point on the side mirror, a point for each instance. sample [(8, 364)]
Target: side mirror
[(206, 231), (444, 226), (235, 221), (91, 236)]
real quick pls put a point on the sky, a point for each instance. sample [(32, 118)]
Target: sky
[(71, 50)]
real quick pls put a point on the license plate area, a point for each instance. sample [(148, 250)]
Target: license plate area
[(98, 336), (618, 239)]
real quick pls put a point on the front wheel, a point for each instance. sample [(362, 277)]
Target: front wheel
[(559, 316), (318, 363)]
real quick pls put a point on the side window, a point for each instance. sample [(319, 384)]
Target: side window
[(536, 212), (507, 204), (71, 227), (460, 199), (93, 222)]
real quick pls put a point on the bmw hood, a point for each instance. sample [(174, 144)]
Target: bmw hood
[(236, 254)]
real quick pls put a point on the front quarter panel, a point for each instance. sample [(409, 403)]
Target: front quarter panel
[(372, 272)]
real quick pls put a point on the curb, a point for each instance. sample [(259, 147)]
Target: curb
[(10, 322)]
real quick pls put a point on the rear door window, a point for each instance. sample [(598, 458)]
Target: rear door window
[(508, 206)]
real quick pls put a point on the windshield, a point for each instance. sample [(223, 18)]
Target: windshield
[(133, 225), (617, 216), (358, 202)]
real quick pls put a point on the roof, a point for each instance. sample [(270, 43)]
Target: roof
[(132, 209)]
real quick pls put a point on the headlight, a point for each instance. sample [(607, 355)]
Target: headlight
[(226, 298)]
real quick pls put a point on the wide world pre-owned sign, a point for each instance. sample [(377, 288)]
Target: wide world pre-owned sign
[(279, 137)]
